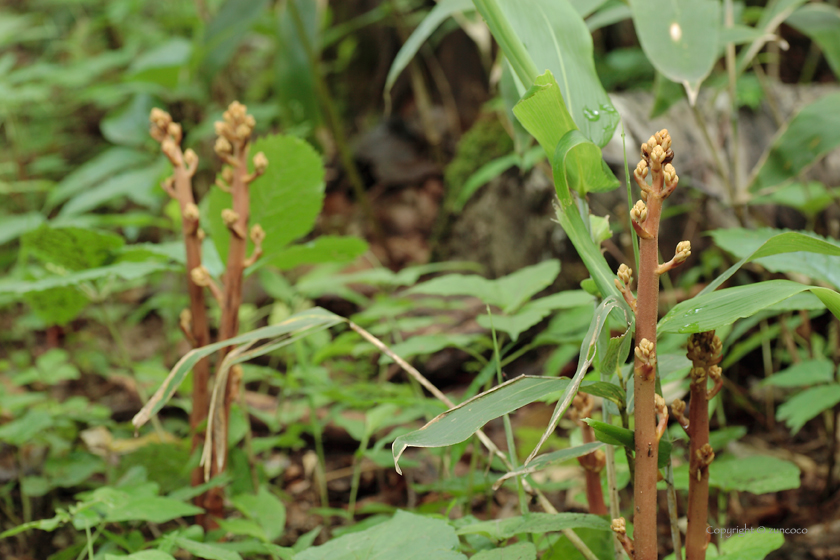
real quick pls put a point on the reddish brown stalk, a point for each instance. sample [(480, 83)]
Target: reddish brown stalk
[(645, 215), (703, 351), (194, 320), (232, 147), (592, 463)]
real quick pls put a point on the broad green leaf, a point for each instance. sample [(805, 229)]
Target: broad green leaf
[(507, 293), (756, 474), (803, 374), (285, 200), (810, 198), (679, 37), (71, 248), (264, 508), (129, 125), (605, 390), (154, 509), (459, 423), (808, 404), (587, 7), (772, 16), (24, 429), (501, 529), (294, 84), (209, 551), (136, 184), (517, 551), (13, 226), (613, 12), (808, 136), (424, 345), (323, 249), (711, 311), (820, 22), (142, 555), (442, 11), (542, 461), (719, 439), (279, 334), (616, 435), (406, 536), (243, 527), (557, 40), (800, 252), (750, 546)]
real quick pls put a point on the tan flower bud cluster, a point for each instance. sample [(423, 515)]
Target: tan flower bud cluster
[(260, 163), (715, 373), (235, 128), (200, 276), (646, 352), (625, 274), (582, 405), (619, 526), (698, 375), (227, 174), (160, 121), (639, 212), (683, 252), (705, 455), (190, 158), (671, 178), (230, 217), (191, 212), (703, 348), (257, 234)]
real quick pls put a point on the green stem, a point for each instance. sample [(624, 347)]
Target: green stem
[(508, 40)]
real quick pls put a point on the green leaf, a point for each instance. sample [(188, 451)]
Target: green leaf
[(613, 12), (790, 242), (820, 22), (808, 136), (71, 248), (535, 311), (93, 172), (56, 306), (285, 200), (153, 509), (206, 550), (540, 462), (226, 30), (24, 429), (557, 40), (810, 198), (749, 546), (803, 374), (323, 249), (163, 64), (279, 334), (772, 16), (124, 270), (605, 390), (264, 508), (679, 38), (441, 12), (406, 536), (459, 423), (424, 345), (136, 184), (507, 293), (802, 252), (797, 410), (616, 435), (129, 125), (243, 527), (535, 523), (711, 311), (142, 555), (517, 551), (13, 226), (758, 474)]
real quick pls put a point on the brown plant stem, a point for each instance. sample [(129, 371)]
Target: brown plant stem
[(195, 324), (703, 351), (592, 463)]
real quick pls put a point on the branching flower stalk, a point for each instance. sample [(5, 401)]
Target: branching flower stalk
[(704, 353), (656, 162), (193, 321), (592, 463), (232, 147)]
